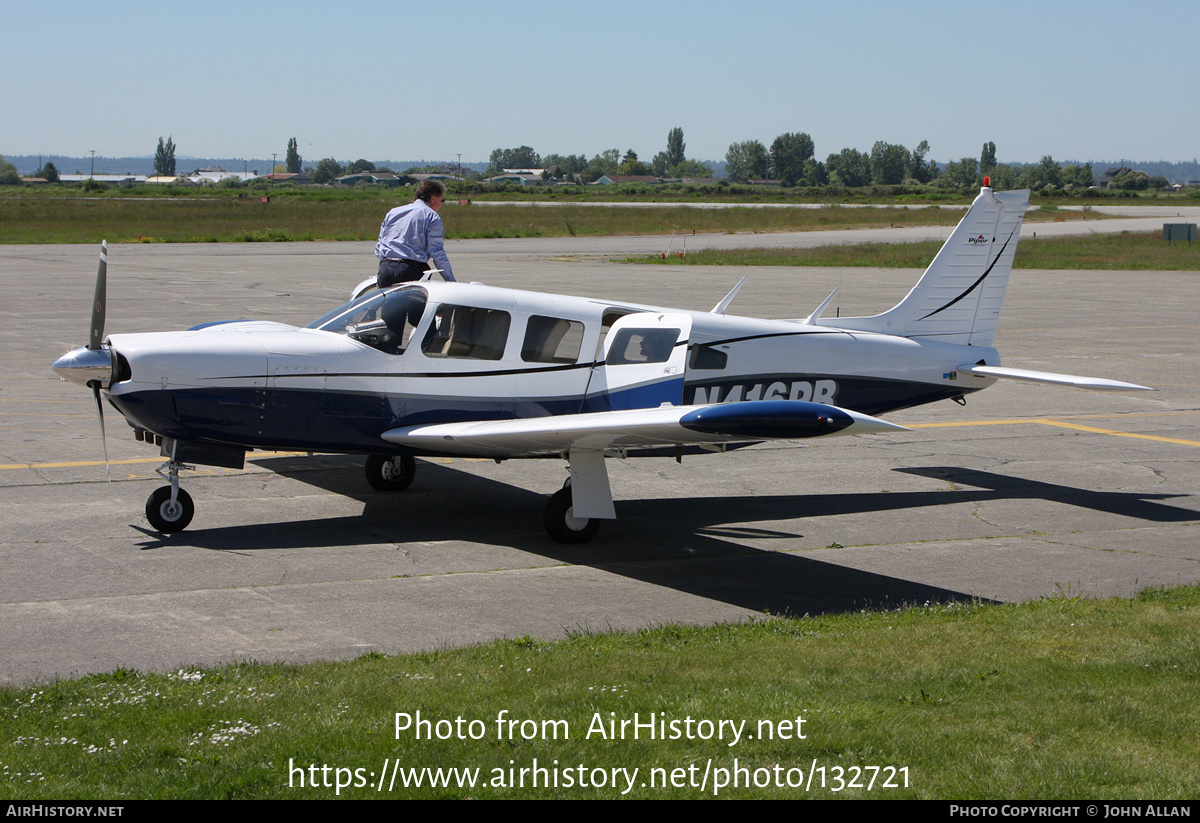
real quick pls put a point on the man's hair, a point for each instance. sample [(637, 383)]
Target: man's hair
[(429, 189)]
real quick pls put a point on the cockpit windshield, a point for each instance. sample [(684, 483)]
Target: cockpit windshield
[(382, 319)]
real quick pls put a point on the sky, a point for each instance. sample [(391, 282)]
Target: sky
[(1098, 80)]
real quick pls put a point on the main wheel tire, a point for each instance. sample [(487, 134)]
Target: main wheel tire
[(561, 522), (386, 473), (166, 518)]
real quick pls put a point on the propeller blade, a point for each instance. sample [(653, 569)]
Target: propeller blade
[(95, 384), (99, 301)]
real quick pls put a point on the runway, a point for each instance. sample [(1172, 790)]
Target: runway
[(1028, 491)]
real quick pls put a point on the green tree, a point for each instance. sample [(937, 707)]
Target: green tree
[(688, 168), (8, 173), (603, 163), (1050, 173), (1005, 176), (1084, 177), (963, 174), (327, 171), (359, 166), (747, 161), (519, 158), (987, 158), (1131, 181), (815, 173), (918, 169), (294, 161), (631, 165), (889, 162), (1077, 176), (164, 158), (675, 147), (789, 153), (49, 173), (849, 167), (567, 165)]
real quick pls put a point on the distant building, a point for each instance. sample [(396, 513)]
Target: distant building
[(103, 178), (613, 179), (386, 178), (216, 174), (521, 178), (300, 179), (421, 177), (1112, 174)]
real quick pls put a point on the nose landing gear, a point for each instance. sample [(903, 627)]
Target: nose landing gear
[(170, 509)]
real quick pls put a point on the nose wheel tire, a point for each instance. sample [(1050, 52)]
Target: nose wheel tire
[(168, 518), (386, 473), (561, 522)]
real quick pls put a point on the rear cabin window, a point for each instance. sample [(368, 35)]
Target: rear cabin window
[(706, 357), (468, 332), (551, 340), (642, 346)]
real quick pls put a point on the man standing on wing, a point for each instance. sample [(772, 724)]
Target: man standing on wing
[(411, 238)]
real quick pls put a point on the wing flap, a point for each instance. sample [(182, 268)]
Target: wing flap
[(639, 428)]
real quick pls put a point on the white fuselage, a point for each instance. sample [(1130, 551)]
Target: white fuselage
[(473, 352)]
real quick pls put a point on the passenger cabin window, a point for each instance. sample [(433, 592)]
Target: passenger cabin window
[(642, 346), (706, 357), (551, 340), (468, 332)]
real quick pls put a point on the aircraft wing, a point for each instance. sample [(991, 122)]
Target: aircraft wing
[(1094, 383), (639, 428)]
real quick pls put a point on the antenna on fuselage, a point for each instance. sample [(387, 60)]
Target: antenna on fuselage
[(727, 299), (812, 319)]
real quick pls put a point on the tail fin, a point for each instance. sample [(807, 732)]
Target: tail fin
[(959, 297)]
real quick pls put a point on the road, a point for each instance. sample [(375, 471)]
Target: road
[(1029, 491)]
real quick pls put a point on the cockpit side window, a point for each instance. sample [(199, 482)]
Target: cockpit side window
[(642, 346), (384, 320), (551, 340), (362, 310), (468, 332)]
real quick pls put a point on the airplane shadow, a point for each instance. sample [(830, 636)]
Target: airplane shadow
[(687, 545)]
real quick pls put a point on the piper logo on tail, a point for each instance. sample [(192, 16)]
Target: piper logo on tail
[(977, 240), (819, 391)]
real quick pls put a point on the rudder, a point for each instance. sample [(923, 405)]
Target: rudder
[(959, 297)]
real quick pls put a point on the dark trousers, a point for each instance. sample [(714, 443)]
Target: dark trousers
[(393, 270)]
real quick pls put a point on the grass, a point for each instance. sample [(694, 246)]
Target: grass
[(1124, 251), (347, 217), (1062, 698)]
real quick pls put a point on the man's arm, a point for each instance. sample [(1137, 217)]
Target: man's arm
[(437, 249)]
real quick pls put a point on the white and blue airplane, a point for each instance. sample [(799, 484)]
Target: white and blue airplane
[(438, 368)]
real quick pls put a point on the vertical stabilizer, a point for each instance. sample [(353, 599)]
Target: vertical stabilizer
[(958, 299)]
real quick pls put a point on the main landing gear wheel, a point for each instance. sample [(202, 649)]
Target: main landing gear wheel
[(561, 522), (390, 474), (168, 518)]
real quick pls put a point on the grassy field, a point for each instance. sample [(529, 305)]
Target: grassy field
[(1061, 698), (230, 219), (1121, 252)]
